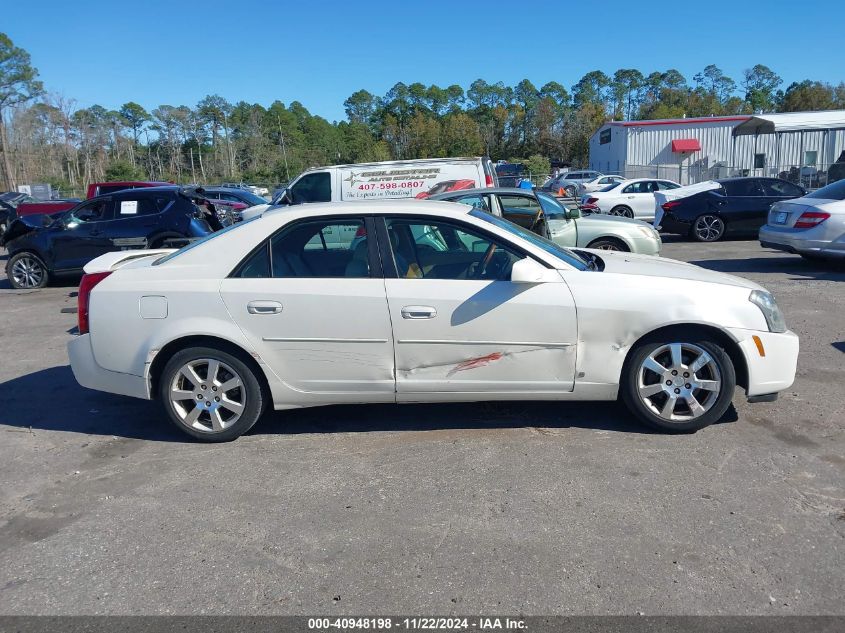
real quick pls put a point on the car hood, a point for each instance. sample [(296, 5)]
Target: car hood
[(646, 265), (25, 225)]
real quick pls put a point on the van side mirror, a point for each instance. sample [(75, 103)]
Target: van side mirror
[(529, 271), (573, 214)]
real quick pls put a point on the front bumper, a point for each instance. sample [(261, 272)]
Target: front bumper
[(89, 374), (646, 246), (776, 370), (801, 242)]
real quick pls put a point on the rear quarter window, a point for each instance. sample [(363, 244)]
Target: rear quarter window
[(833, 191)]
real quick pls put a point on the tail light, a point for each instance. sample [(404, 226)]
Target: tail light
[(488, 180), (591, 200), (668, 206), (809, 219), (85, 287)]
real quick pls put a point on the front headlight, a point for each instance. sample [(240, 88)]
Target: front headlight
[(769, 307), (648, 232)]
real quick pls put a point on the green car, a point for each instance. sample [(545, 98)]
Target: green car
[(543, 214)]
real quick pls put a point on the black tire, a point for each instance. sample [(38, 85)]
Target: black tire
[(708, 227), (622, 211), (27, 271), (609, 244), (250, 393), (629, 384), (570, 191)]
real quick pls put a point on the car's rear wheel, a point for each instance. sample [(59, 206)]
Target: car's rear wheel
[(708, 228), (622, 211), (27, 271), (678, 385), (210, 394), (609, 244), (570, 191)]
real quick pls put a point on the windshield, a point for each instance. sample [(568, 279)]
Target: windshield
[(203, 240), (553, 209), (834, 191), (550, 247)]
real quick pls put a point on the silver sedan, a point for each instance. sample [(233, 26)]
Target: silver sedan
[(812, 226)]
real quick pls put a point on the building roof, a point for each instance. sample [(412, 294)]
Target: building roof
[(791, 122), (686, 121)]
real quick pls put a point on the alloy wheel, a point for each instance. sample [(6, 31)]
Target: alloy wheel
[(709, 228), (27, 272), (679, 382), (207, 395)]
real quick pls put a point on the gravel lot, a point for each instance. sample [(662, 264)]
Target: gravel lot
[(527, 508)]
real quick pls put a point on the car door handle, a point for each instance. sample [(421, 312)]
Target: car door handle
[(93, 233), (264, 307), (418, 312)]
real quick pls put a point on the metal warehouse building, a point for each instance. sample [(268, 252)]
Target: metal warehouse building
[(805, 147)]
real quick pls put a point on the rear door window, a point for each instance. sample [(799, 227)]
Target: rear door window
[(743, 188), (130, 207), (781, 189), (476, 202)]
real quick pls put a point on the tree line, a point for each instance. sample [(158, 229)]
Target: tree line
[(46, 138)]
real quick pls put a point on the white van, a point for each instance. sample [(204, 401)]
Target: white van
[(387, 180)]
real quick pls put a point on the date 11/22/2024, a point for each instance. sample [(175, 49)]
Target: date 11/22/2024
[(416, 623)]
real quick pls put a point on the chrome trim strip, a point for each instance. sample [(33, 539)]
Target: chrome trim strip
[(272, 339), (516, 343)]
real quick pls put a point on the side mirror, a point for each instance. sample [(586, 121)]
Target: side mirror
[(286, 197), (574, 214), (529, 271)]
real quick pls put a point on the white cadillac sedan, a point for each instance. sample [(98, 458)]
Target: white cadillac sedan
[(410, 301)]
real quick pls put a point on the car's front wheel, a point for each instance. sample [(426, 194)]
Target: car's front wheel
[(210, 394), (622, 211), (609, 244), (708, 228), (678, 385), (27, 271)]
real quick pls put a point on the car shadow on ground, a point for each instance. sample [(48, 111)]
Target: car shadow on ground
[(62, 405), (788, 264)]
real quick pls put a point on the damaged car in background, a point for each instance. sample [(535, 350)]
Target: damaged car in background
[(417, 301), (42, 246), (542, 213)]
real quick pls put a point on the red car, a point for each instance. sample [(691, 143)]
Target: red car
[(445, 186), (94, 189)]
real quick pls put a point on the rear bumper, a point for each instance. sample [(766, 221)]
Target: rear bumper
[(773, 372), (670, 223), (800, 242), (89, 374)]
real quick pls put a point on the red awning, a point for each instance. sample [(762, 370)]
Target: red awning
[(686, 145)]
